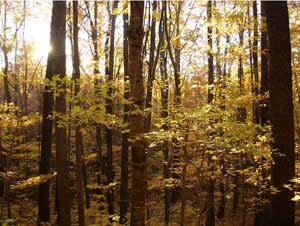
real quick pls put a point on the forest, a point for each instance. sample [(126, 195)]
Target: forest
[(155, 112)]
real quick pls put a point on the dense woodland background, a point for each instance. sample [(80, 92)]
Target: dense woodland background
[(149, 113)]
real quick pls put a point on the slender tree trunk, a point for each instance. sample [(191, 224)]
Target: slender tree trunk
[(25, 88), (5, 53), (281, 112), (262, 214), (5, 78), (177, 56), (222, 201), (251, 57), (210, 217), (175, 60), (124, 197), (135, 37), (109, 110), (96, 72), (165, 114), (264, 84), (63, 207), (255, 63), (241, 117), (151, 73), (183, 187), (78, 136), (54, 66)]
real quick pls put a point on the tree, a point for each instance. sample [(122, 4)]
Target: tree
[(176, 169), (54, 66), (124, 199), (262, 215), (151, 73), (210, 218), (59, 46), (79, 145), (255, 64), (281, 112), (264, 84), (135, 34), (164, 114), (109, 108)]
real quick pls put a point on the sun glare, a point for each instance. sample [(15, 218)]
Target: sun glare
[(41, 49)]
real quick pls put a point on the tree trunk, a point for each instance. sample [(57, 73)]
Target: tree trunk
[(78, 136), (151, 73), (223, 163), (59, 38), (5, 79), (99, 142), (175, 60), (262, 215), (281, 112), (5, 52), (255, 64), (165, 114), (53, 67), (210, 202), (264, 83), (135, 37), (124, 197), (183, 187), (241, 117), (109, 110)]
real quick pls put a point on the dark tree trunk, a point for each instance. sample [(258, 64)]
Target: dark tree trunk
[(109, 110), (97, 83), (63, 207), (281, 112), (165, 114), (262, 214), (176, 169), (183, 187), (210, 202), (124, 197), (54, 66), (5, 52), (241, 117), (151, 73), (210, 56), (255, 64), (241, 111), (5, 79), (222, 201), (135, 37), (78, 136), (264, 83)]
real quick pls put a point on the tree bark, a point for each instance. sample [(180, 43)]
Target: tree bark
[(151, 73), (124, 197), (78, 135), (262, 215), (255, 64), (53, 67), (5, 53), (135, 37), (63, 207), (210, 217), (99, 141), (164, 114), (264, 83), (109, 110), (281, 112), (175, 60)]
